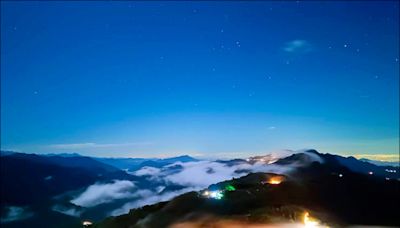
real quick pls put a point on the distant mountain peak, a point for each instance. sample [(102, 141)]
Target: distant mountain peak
[(184, 156), (181, 158), (66, 155), (312, 151), (305, 157)]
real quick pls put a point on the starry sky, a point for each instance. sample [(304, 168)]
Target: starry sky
[(211, 79)]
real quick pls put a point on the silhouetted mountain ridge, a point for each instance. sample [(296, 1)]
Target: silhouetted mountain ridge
[(42, 181)]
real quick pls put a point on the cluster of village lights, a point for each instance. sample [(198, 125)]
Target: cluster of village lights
[(390, 170), (218, 194)]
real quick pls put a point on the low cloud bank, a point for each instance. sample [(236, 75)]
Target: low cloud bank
[(181, 177), (151, 198), (204, 173), (103, 193), (146, 171), (201, 174), (194, 176)]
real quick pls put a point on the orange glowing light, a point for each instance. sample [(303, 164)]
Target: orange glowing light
[(309, 221), (275, 180)]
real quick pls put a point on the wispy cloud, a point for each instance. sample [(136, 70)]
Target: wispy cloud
[(14, 213), (72, 145), (86, 145), (71, 211), (297, 46)]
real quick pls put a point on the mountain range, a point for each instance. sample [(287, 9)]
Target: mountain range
[(63, 190)]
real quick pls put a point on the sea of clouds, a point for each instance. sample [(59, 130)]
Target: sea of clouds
[(190, 176)]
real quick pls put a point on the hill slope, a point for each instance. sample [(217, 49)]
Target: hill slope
[(330, 191)]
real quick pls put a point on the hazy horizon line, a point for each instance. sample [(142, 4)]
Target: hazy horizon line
[(388, 157)]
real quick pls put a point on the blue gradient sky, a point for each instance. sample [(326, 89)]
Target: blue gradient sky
[(203, 78)]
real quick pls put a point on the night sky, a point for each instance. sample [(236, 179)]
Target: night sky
[(212, 79)]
